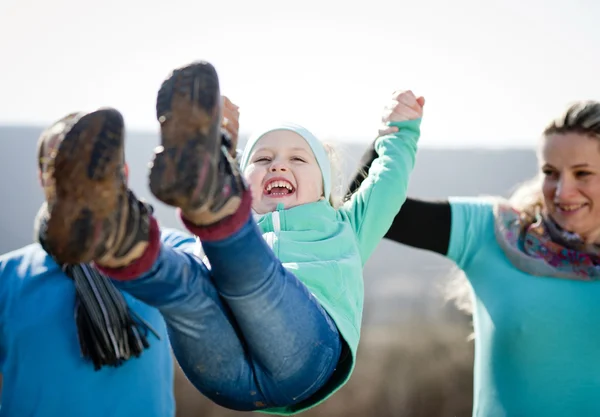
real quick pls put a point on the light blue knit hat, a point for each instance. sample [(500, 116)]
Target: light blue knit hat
[(315, 144)]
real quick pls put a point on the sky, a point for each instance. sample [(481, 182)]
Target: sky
[(493, 73)]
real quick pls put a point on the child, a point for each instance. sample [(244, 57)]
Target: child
[(274, 324)]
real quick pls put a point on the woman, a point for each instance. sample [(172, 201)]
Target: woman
[(532, 263)]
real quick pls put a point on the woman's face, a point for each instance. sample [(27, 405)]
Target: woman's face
[(570, 163)]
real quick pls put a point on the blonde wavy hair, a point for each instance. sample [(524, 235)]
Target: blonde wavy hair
[(336, 197), (581, 117)]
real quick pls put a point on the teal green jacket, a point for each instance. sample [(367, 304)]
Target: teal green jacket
[(327, 248)]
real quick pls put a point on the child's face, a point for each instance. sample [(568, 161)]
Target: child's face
[(283, 169)]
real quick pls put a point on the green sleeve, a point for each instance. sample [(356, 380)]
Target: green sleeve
[(372, 208)]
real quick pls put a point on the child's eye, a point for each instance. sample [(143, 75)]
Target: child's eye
[(297, 158), (262, 159)]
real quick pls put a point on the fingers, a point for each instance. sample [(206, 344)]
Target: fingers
[(228, 103), (386, 130), (404, 106), (408, 97), (410, 100), (231, 118), (400, 112)]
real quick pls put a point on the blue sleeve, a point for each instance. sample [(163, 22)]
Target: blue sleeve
[(174, 281), (4, 282), (177, 239), (472, 218)]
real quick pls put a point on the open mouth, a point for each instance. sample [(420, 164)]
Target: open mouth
[(569, 208), (278, 188)]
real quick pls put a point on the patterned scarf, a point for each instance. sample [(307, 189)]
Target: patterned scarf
[(542, 248), (109, 331)]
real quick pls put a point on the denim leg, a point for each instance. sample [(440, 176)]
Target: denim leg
[(293, 343), (212, 350), (202, 332)]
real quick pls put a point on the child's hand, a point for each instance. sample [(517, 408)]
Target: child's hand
[(404, 106), (231, 122)]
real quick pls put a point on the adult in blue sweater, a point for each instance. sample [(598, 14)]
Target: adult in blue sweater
[(71, 343), (533, 265)]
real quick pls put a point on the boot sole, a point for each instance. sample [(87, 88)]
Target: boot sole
[(89, 182), (184, 171)]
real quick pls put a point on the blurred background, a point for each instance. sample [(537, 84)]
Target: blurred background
[(493, 74)]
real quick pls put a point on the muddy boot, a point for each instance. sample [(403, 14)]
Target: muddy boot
[(193, 169), (92, 215)]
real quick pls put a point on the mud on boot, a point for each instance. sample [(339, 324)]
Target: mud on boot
[(192, 169), (91, 212)]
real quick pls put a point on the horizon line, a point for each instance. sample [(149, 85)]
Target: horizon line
[(350, 141)]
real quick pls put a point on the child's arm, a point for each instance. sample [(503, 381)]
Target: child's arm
[(372, 208)]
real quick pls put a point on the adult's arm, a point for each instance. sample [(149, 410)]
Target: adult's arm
[(421, 224)]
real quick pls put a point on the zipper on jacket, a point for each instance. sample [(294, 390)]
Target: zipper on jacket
[(276, 219), (276, 222)]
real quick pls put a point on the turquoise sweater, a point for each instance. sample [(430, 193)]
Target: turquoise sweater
[(327, 248), (536, 346)]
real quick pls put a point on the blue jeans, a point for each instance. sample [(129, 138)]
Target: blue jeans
[(247, 333)]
